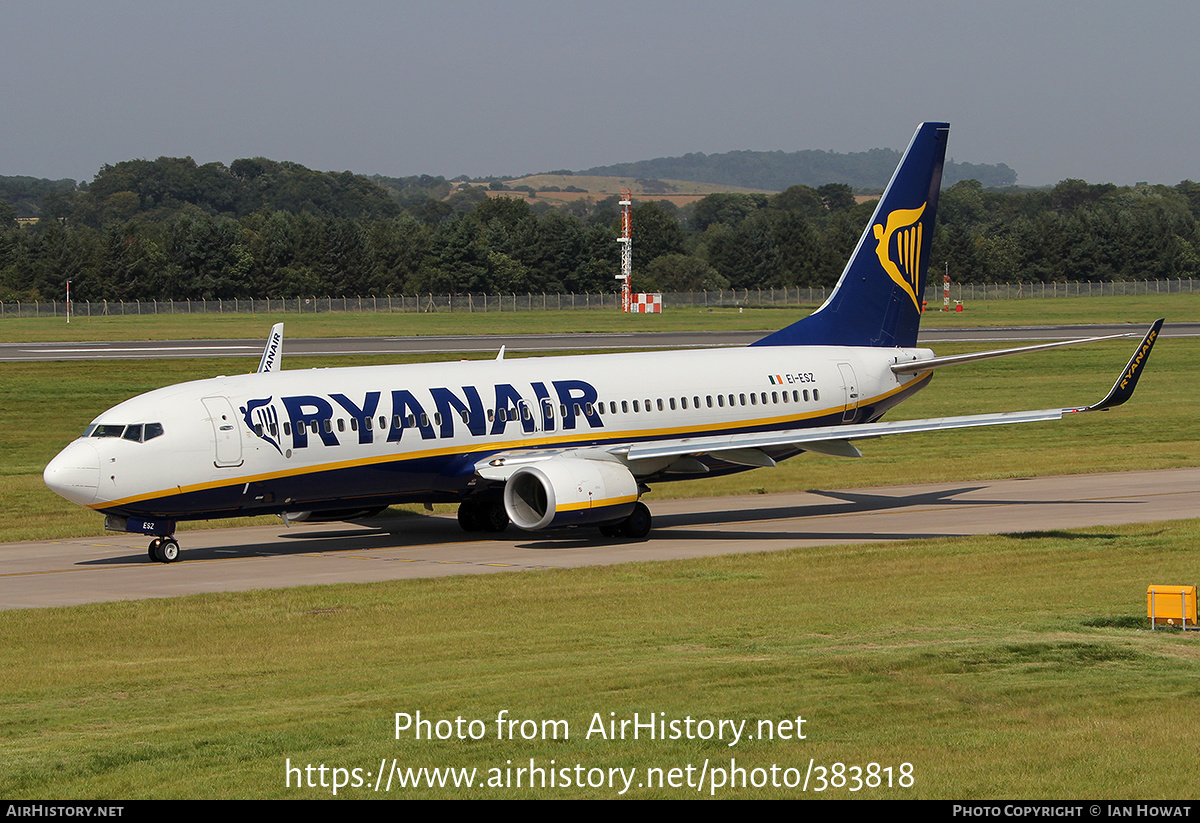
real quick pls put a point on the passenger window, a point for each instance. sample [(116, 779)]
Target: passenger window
[(635, 406), (287, 429), (625, 406), (258, 429), (817, 395), (466, 416), (341, 424)]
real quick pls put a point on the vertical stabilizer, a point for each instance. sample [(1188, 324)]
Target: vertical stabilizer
[(273, 351), (877, 301)]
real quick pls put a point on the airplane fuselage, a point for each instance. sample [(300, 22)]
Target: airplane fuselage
[(338, 439)]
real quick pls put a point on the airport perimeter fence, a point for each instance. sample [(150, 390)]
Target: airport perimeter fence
[(729, 298)]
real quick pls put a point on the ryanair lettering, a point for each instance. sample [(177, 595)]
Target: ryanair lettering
[(436, 413)]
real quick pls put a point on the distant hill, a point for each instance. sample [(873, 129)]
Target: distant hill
[(776, 170)]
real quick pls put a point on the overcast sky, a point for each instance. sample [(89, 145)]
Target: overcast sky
[(1104, 91)]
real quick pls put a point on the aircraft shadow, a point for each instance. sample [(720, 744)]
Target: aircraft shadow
[(420, 531)]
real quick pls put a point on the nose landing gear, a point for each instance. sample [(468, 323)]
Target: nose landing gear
[(163, 550)]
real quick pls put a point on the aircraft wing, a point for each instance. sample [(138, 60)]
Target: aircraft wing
[(746, 449), (820, 439)]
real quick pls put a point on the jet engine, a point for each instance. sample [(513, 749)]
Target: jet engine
[(569, 491)]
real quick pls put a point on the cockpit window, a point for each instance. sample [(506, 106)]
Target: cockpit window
[(135, 432), (108, 430)]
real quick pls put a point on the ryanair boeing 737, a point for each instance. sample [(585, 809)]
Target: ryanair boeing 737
[(542, 442)]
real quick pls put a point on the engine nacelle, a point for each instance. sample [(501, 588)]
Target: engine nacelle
[(569, 491)]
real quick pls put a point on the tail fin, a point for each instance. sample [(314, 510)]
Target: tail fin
[(877, 301)]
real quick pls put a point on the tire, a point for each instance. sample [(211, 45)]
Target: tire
[(494, 518), (167, 551), (637, 524), (469, 516)]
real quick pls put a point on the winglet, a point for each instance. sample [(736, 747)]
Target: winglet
[(1122, 390), (273, 352)]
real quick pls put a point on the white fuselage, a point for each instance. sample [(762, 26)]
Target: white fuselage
[(338, 438)]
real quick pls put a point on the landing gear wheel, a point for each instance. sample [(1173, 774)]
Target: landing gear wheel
[(493, 518), (637, 524), (469, 516), (152, 551), (167, 550)]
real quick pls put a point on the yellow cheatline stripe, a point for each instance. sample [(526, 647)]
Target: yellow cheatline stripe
[(609, 437), (597, 504)]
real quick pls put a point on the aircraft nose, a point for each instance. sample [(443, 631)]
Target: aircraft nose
[(75, 473)]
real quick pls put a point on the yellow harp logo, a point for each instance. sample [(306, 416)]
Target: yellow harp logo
[(901, 256)]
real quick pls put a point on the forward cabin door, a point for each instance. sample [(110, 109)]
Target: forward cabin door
[(226, 436)]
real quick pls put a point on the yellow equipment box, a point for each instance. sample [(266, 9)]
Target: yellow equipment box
[(1171, 605)]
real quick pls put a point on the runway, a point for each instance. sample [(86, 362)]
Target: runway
[(115, 567), (457, 344)]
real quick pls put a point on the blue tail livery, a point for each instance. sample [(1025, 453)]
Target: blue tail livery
[(878, 300)]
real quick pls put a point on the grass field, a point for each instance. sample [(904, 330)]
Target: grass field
[(1138, 310), (998, 667)]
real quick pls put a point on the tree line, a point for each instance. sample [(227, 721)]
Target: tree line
[(172, 229)]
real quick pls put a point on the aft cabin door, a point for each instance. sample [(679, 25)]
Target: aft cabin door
[(227, 438), (851, 387)]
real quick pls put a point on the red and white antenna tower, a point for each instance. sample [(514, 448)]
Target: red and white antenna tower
[(626, 241)]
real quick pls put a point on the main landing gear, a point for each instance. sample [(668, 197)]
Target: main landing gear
[(163, 550), (635, 526), (482, 516)]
